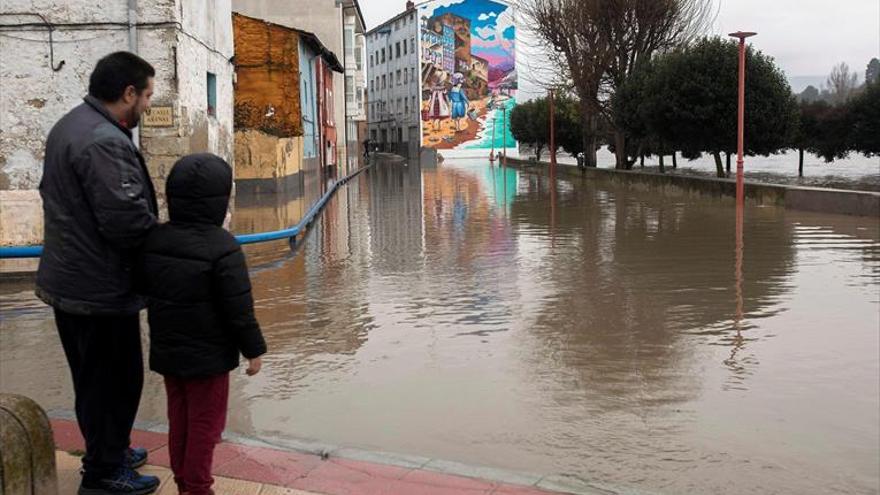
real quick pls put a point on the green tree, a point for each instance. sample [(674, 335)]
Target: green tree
[(864, 120), (833, 139), (690, 101), (569, 125), (530, 124), (809, 130), (809, 94), (872, 73)]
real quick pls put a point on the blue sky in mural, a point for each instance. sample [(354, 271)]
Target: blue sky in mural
[(492, 30)]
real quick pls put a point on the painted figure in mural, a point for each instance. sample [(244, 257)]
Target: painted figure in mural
[(438, 104), (459, 100)]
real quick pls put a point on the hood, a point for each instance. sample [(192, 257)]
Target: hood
[(198, 189)]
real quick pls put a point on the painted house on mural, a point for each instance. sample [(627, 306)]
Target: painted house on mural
[(43, 76), (468, 75), (285, 130), (339, 25)]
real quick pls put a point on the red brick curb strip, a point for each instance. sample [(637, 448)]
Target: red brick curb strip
[(331, 476)]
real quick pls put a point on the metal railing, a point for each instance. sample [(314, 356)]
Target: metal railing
[(11, 252)]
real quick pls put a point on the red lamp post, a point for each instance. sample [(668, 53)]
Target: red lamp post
[(741, 35), (552, 139), (740, 192)]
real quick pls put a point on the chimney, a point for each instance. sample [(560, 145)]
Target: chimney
[(410, 5)]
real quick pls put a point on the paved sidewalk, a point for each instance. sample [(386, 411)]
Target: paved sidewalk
[(246, 470)]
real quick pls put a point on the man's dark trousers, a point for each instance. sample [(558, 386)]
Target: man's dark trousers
[(106, 363)]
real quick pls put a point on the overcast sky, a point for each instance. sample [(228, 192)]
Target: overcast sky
[(806, 37)]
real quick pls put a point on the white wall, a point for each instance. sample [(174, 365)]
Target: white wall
[(33, 96), (406, 29)]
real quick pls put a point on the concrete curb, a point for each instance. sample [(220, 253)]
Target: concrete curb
[(562, 483), (817, 199)]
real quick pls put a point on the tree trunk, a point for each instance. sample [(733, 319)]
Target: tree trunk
[(719, 168), (662, 167), (620, 150), (588, 119), (642, 161), (728, 164), (800, 162), (674, 161), (538, 150)]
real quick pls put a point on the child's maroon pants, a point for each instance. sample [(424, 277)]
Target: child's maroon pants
[(196, 416)]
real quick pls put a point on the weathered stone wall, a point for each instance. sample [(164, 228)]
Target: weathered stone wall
[(266, 158), (33, 96)]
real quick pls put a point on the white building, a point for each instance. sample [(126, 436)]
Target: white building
[(393, 83), (48, 49), (355, 80)]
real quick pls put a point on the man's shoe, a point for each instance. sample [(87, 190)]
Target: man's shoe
[(135, 457), (125, 481)]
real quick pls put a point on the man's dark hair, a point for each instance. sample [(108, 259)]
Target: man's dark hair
[(117, 71)]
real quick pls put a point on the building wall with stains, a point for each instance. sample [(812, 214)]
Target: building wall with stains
[(268, 113), (322, 17), (183, 40)]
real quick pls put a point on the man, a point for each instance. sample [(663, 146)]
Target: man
[(98, 206)]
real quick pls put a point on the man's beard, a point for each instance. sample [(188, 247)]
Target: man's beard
[(134, 118)]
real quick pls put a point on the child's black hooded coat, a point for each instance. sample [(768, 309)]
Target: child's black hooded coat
[(194, 275)]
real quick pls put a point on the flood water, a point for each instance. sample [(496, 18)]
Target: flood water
[(475, 314)]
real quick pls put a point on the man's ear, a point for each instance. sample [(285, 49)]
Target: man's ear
[(129, 95)]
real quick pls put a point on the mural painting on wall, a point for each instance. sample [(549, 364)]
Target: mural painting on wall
[(469, 82)]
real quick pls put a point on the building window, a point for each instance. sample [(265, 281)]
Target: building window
[(371, 60), (397, 49), (412, 45), (212, 94), (398, 77), (406, 105), (405, 76), (404, 47), (383, 81), (377, 82), (349, 90), (383, 55)]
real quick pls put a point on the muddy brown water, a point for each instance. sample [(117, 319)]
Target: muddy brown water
[(471, 313)]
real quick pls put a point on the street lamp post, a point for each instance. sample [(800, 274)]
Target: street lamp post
[(552, 139), (504, 137), (492, 153), (740, 192)]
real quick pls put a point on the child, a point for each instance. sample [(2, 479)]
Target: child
[(201, 314)]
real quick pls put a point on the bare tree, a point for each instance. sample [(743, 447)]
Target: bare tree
[(635, 30), (841, 83), (578, 50), (598, 43)]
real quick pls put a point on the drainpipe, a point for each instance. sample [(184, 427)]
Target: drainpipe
[(133, 48), (345, 91)]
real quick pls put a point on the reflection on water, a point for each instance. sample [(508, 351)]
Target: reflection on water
[(478, 314)]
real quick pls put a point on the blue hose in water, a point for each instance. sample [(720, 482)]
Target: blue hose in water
[(36, 251)]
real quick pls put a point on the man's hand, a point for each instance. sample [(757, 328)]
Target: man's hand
[(254, 366)]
